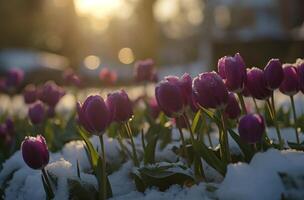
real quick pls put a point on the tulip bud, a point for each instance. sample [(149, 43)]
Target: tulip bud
[(51, 94), (120, 106), (154, 108), (300, 67), (232, 109), (30, 94), (37, 113), (94, 115), (256, 84), (233, 72), (144, 70), (251, 128), (274, 74), (35, 152), (107, 77), (291, 83), (210, 91), (14, 77)]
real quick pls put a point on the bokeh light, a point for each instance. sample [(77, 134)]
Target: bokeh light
[(126, 55), (91, 62)]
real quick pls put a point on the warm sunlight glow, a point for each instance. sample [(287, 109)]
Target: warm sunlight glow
[(126, 55), (91, 62)]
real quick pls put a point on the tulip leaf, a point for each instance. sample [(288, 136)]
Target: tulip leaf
[(246, 149), (161, 175), (197, 121), (211, 115), (149, 151), (296, 146), (99, 175), (48, 191), (210, 157), (92, 152), (80, 190)]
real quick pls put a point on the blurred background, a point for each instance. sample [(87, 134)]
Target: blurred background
[(47, 36)]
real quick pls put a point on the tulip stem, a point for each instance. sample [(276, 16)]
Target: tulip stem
[(295, 118), (104, 175), (208, 133), (46, 178), (135, 158), (185, 150), (256, 106), (240, 96), (226, 156), (275, 121), (199, 170)]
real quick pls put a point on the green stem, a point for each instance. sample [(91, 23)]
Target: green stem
[(240, 96), (225, 138), (46, 178), (205, 125), (295, 118), (256, 106), (275, 121), (104, 175), (135, 158), (185, 150)]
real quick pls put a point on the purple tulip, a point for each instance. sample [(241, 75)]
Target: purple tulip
[(144, 70), (120, 106), (274, 74), (94, 114), (251, 128), (10, 126), (35, 152), (232, 109), (14, 77), (71, 78), (37, 113), (210, 91), (291, 83), (7, 132), (30, 94), (256, 84), (154, 108), (51, 93), (300, 65), (233, 72)]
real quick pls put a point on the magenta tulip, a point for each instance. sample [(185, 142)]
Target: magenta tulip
[(232, 109), (256, 84), (291, 83), (37, 113), (251, 128)]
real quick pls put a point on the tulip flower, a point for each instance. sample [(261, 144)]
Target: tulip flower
[(94, 115), (291, 86), (274, 74), (300, 67), (232, 109), (7, 132), (144, 70), (154, 108), (256, 84), (107, 77), (209, 90), (37, 113), (251, 128), (36, 155), (30, 94), (14, 78), (71, 78), (51, 93)]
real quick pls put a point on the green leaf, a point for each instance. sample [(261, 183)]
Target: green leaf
[(210, 157), (80, 190), (197, 121), (99, 175), (296, 146), (149, 153), (212, 116)]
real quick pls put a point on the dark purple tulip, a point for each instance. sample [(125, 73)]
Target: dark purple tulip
[(210, 91), (120, 106), (30, 94), (232, 109), (14, 77), (144, 70), (291, 83), (170, 98), (274, 74), (154, 108), (251, 128), (5, 135), (233, 72), (10, 126), (300, 67), (51, 93), (256, 84), (35, 152), (37, 113), (94, 114)]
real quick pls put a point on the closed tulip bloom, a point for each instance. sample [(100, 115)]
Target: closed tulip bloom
[(210, 91), (251, 128), (232, 109), (291, 83), (274, 74), (94, 115), (120, 106), (30, 94), (170, 98), (300, 67), (154, 108), (233, 72), (144, 70), (51, 93), (256, 84), (35, 152), (37, 113), (14, 77)]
